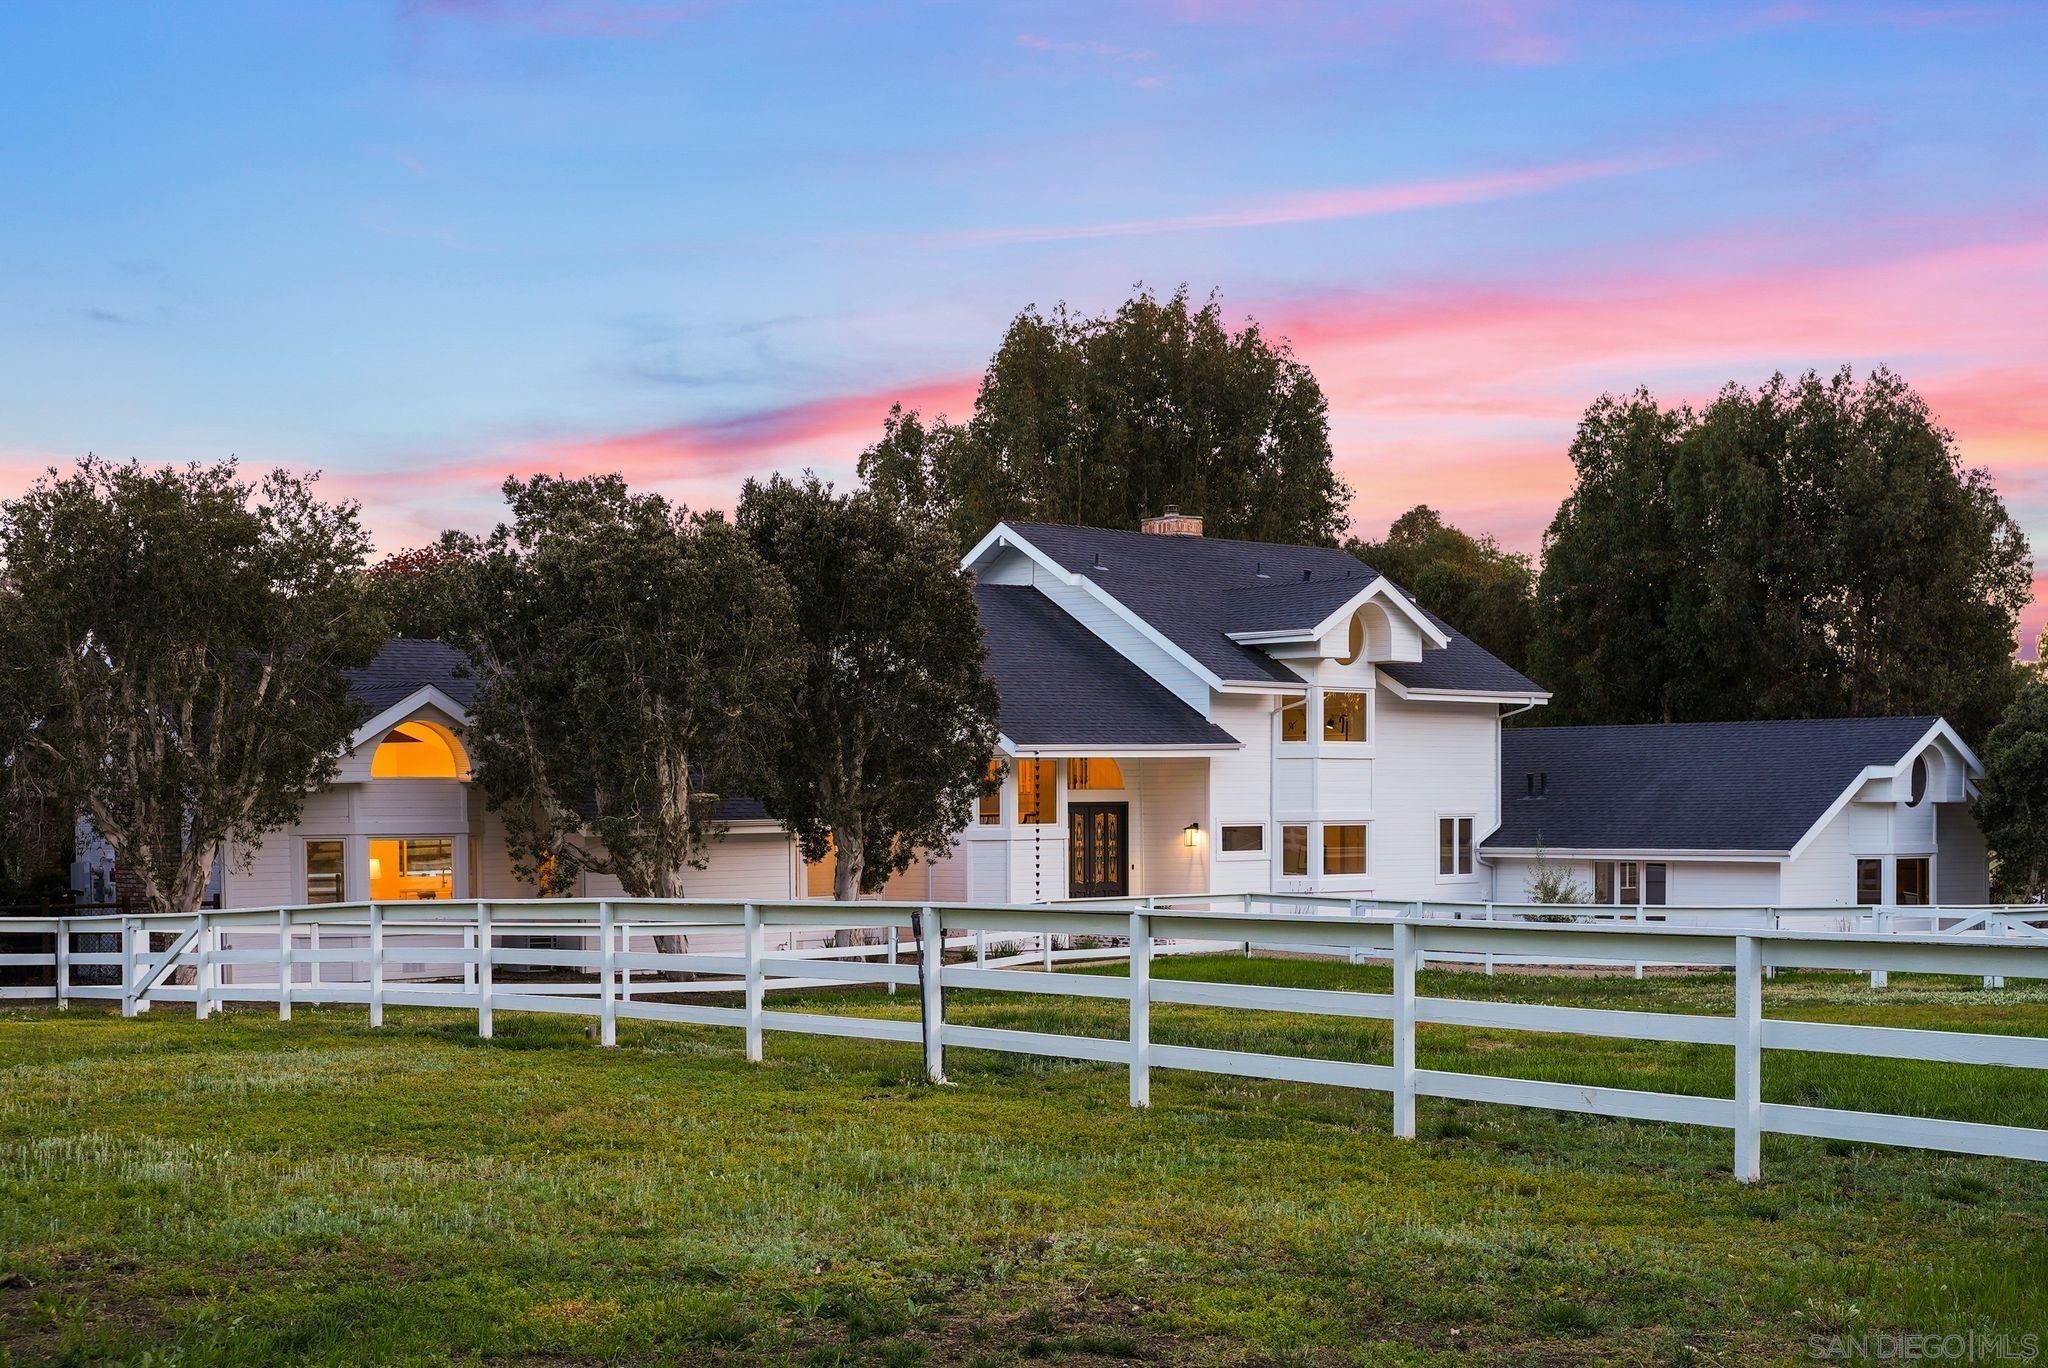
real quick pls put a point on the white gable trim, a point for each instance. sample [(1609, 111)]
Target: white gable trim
[(1166, 751), (1940, 731), (1406, 694), (1380, 586), (423, 696), (1002, 535)]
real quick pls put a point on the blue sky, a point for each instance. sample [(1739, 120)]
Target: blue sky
[(421, 245)]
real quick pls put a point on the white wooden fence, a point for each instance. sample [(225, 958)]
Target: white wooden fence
[(211, 945)]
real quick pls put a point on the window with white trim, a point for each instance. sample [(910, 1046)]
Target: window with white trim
[(1240, 840), (1453, 846)]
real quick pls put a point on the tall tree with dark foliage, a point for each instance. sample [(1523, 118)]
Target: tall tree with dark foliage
[(174, 641), (893, 721), (1812, 548), (1105, 420), (635, 663)]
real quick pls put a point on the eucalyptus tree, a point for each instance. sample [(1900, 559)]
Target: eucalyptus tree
[(893, 721), (2012, 802), (635, 663), (175, 640), (1812, 548), (1105, 420)]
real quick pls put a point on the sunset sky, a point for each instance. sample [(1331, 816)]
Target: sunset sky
[(419, 245)]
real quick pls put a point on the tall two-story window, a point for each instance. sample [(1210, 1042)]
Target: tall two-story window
[(1453, 846), (1038, 800), (1343, 715)]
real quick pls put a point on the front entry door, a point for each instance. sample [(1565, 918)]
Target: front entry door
[(1098, 850)]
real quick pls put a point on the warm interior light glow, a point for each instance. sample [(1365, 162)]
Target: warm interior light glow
[(412, 868), (1192, 833), (416, 750)]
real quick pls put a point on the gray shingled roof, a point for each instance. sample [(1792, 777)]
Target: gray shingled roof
[(405, 666), (1194, 591), (1061, 685), (1691, 786)]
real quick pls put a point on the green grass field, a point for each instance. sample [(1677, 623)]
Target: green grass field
[(247, 1191)]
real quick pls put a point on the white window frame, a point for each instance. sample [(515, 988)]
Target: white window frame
[(301, 872), (1471, 847), (1264, 852), (1318, 844), (1367, 720)]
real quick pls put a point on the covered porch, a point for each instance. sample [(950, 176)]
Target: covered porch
[(1092, 826)]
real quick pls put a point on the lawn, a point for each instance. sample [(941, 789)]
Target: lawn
[(247, 1191)]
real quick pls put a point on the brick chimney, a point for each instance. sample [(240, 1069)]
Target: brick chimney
[(1173, 523)]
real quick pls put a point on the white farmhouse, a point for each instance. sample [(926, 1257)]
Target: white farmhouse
[(1183, 714)]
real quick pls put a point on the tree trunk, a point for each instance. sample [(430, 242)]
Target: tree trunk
[(846, 872)]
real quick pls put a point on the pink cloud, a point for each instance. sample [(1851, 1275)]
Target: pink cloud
[(1319, 206)]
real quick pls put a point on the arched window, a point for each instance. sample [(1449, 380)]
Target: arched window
[(417, 750)]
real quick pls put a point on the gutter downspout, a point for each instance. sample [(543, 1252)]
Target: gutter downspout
[(1493, 870)]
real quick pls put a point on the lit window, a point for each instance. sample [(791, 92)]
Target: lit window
[(1294, 720), (1870, 882), (415, 868), (323, 871), (1344, 848), (415, 750), (1037, 798), (1343, 716), (1454, 845), (990, 811), (1294, 851), (1094, 774), (1912, 884), (1244, 838)]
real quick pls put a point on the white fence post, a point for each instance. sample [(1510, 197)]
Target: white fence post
[(1404, 1030), (313, 947), (756, 944), (1141, 1009), (1639, 922), (203, 963), (626, 970), (1045, 950), (284, 964), (1489, 954), (892, 958), (485, 979), (931, 946), (1880, 922), (1749, 1059), (376, 964), (129, 972), (607, 991), (63, 957), (981, 949)]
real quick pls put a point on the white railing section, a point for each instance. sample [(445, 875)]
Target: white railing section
[(212, 958)]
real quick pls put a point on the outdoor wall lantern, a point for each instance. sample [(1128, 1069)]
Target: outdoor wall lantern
[(1192, 834)]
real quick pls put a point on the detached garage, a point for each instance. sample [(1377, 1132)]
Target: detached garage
[(1838, 812)]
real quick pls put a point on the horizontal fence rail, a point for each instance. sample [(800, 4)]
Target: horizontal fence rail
[(482, 956)]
